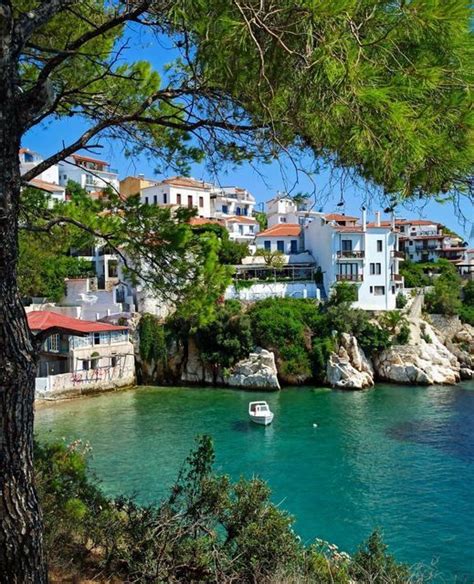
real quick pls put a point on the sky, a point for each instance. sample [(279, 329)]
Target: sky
[(263, 181)]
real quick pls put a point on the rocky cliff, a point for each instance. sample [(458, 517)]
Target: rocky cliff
[(348, 367)]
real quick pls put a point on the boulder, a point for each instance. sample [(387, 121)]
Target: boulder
[(466, 373), (425, 362), (257, 371), (348, 367)]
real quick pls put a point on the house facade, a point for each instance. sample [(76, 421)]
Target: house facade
[(133, 185), (80, 356), (283, 209), (180, 192), (366, 256), (423, 240), (232, 201), (286, 238), (48, 180), (92, 174)]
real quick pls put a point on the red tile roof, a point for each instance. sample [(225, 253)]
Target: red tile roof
[(89, 159), (45, 186), (241, 219), (340, 217), (40, 320), (183, 181), (282, 230), (205, 221), (349, 228)]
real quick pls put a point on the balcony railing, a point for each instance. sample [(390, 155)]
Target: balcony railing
[(396, 277), (349, 277), (400, 255), (350, 255), (426, 247)]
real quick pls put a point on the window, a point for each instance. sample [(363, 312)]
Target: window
[(371, 289), (225, 209), (346, 244), (95, 363), (282, 219), (241, 229), (53, 343), (190, 201), (165, 198), (393, 289), (112, 268), (402, 229), (238, 211), (85, 365), (113, 361), (375, 269), (267, 245), (281, 246), (201, 201), (146, 200), (245, 211), (379, 290), (120, 294), (155, 199), (96, 338), (178, 199), (379, 244), (294, 246), (351, 270)]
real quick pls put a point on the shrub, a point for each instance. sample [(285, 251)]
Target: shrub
[(342, 293), (401, 301), (227, 338), (445, 296), (468, 294), (152, 339), (403, 335), (466, 314), (208, 530)]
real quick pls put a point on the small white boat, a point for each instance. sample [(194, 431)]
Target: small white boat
[(260, 413)]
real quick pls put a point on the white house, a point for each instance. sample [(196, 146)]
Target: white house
[(364, 255), (92, 174), (232, 201), (48, 180), (282, 209), (242, 229), (180, 191), (79, 356), (424, 240), (286, 238)]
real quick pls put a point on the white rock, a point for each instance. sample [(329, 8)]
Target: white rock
[(348, 367), (257, 371)]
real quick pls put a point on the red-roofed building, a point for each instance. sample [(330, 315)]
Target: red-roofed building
[(94, 175), (80, 355), (285, 238)]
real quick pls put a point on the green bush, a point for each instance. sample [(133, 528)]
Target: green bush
[(152, 339), (403, 336), (227, 338), (466, 314), (445, 298), (401, 301), (208, 530)]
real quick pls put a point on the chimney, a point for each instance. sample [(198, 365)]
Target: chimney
[(364, 219), (377, 218)]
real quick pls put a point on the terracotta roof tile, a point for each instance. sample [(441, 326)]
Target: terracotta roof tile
[(339, 217), (45, 186), (183, 181), (40, 320), (241, 219), (282, 230), (89, 159)]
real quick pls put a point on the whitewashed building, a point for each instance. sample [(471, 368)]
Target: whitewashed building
[(92, 174), (287, 238), (232, 201), (180, 191), (283, 209), (424, 240), (80, 356), (48, 180), (364, 255)]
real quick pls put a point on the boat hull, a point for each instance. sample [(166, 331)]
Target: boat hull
[(262, 420)]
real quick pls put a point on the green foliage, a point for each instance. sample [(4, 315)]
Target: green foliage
[(208, 530), (468, 293), (466, 314), (321, 349), (414, 274), (342, 293), (445, 297), (262, 219), (152, 339), (274, 259), (372, 563), (232, 252), (227, 338), (401, 300), (403, 335)]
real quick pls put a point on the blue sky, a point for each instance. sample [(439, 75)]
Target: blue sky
[(263, 181)]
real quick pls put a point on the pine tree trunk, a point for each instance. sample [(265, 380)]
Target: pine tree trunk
[(21, 542)]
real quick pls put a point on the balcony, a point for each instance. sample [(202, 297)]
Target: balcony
[(396, 277), (426, 248), (350, 255), (349, 277), (399, 255)]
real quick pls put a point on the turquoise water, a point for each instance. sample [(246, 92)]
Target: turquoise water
[(397, 458)]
